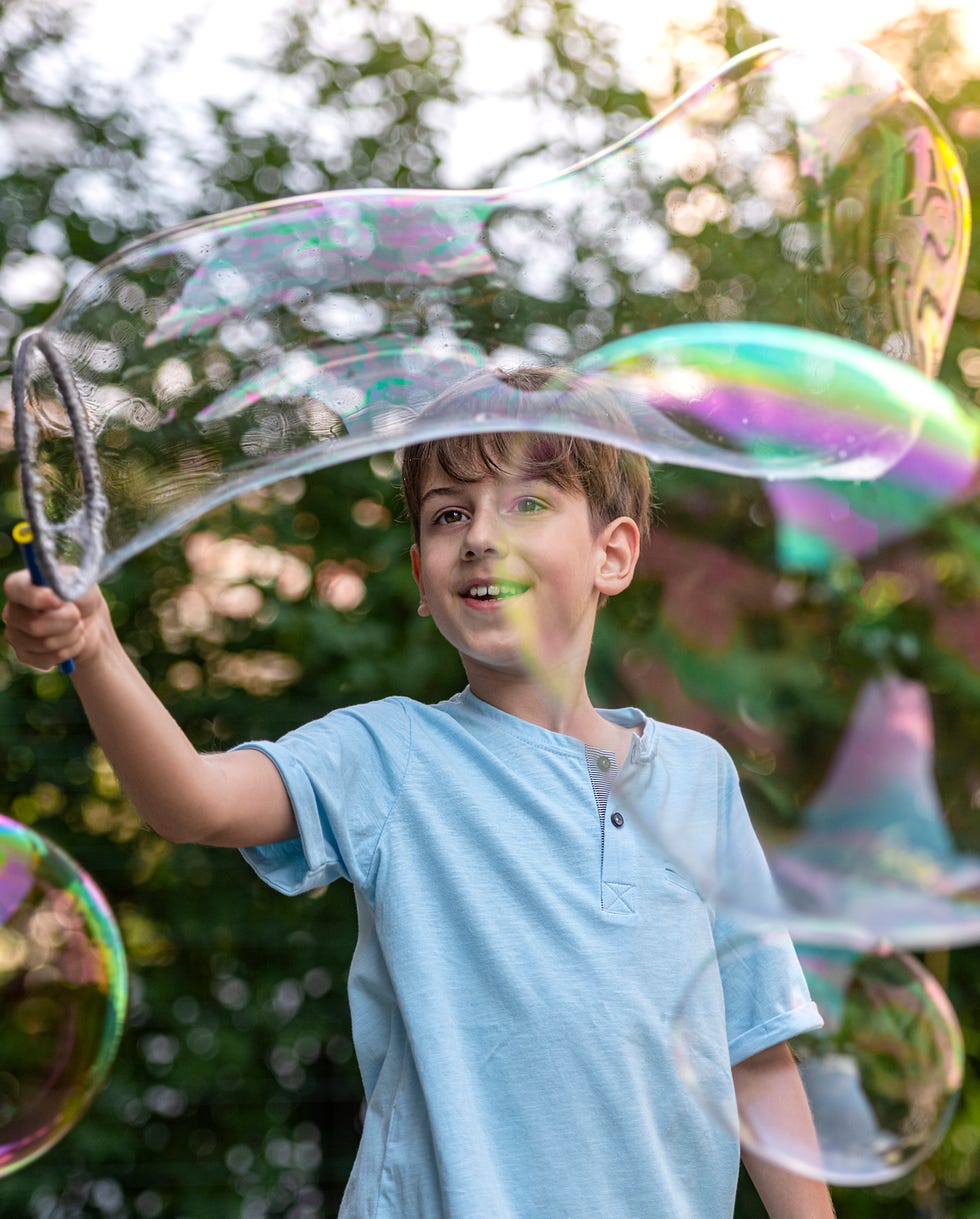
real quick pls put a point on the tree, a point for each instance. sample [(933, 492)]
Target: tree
[(235, 1090)]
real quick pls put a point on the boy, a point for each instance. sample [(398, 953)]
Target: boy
[(523, 944)]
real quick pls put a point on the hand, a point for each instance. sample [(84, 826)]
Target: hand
[(43, 630)]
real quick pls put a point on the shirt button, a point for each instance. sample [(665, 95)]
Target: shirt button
[(617, 820), (603, 762)]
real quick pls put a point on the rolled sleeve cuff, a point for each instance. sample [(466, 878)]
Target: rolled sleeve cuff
[(307, 861), (803, 1019)]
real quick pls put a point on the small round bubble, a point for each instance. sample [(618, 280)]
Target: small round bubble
[(876, 1084), (63, 986)]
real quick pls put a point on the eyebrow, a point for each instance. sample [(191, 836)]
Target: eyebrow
[(435, 491)]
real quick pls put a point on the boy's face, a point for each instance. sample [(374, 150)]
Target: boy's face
[(511, 569)]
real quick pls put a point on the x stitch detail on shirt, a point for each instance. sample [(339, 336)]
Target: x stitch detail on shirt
[(618, 897)]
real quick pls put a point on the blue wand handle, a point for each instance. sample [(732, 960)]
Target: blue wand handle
[(23, 535)]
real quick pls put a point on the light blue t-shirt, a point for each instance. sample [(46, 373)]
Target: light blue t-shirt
[(521, 958)]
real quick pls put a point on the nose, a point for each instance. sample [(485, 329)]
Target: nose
[(485, 534)]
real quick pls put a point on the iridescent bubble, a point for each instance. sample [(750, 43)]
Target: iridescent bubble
[(807, 188), (870, 860), (881, 1077), (818, 522), (874, 847), (63, 986)]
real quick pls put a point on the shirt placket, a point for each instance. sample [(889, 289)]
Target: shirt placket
[(617, 849)]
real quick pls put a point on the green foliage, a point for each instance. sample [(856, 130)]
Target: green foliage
[(235, 1092)]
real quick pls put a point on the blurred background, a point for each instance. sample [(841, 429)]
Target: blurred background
[(235, 1092)]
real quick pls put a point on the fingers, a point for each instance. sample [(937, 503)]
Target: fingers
[(42, 629), (47, 653), (19, 589)]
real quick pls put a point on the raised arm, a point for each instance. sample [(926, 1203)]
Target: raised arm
[(225, 799), (771, 1098)]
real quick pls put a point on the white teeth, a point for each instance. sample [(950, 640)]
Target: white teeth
[(479, 591)]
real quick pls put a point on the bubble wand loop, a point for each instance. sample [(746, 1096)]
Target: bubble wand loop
[(23, 535)]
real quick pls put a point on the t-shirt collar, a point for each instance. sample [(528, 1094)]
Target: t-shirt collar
[(642, 747)]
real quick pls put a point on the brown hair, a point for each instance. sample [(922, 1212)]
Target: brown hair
[(614, 481)]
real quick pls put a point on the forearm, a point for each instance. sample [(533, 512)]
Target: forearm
[(773, 1106), (171, 785), (786, 1195)]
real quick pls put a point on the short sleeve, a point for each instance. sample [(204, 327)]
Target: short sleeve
[(343, 774), (767, 999)]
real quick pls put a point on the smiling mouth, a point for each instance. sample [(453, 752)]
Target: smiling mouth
[(497, 591)]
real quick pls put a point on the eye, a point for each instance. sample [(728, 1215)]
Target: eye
[(528, 504), (449, 516)]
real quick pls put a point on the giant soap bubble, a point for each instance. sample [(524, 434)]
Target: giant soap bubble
[(63, 986), (882, 1076), (272, 340)]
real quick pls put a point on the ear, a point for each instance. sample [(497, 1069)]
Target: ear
[(618, 545), (417, 576)]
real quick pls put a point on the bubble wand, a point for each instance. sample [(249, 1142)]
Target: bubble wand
[(23, 535)]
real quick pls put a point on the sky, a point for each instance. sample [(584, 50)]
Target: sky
[(114, 35), (117, 28)]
